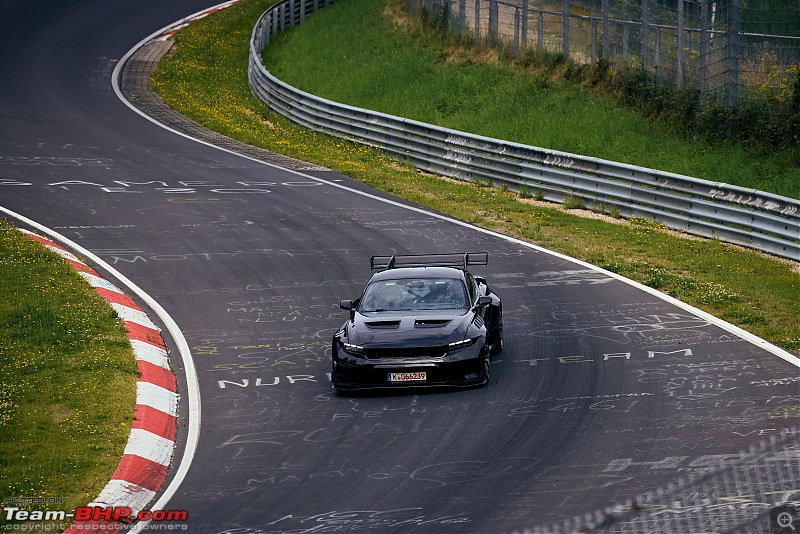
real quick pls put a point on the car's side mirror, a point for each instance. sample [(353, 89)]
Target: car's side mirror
[(484, 300), (346, 305)]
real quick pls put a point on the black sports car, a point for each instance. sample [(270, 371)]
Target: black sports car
[(423, 320)]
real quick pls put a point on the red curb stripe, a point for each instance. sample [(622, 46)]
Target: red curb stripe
[(155, 421), (81, 267), (48, 242), (145, 334), (141, 472), (156, 375), (114, 297)]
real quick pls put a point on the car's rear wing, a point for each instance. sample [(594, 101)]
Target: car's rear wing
[(460, 260)]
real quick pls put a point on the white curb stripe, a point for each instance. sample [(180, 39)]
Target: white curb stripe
[(157, 397), (150, 446), (96, 281), (126, 313), (150, 353), (121, 493), (63, 253)]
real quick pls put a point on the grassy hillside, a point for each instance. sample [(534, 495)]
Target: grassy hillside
[(371, 54)]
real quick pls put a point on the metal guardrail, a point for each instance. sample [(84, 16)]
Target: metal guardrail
[(747, 217)]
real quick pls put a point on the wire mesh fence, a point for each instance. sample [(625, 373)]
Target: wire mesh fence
[(734, 49)]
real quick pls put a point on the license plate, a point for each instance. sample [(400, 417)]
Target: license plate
[(407, 377)]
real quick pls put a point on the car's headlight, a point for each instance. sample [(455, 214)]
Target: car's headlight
[(353, 350), (457, 345)]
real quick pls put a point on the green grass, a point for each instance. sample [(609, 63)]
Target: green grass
[(205, 78), (68, 381), (368, 53)]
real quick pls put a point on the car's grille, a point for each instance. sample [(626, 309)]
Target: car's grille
[(405, 352)]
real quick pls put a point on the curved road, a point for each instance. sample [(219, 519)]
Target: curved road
[(602, 392)]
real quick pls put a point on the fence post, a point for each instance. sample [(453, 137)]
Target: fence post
[(462, 16), (626, 37), (703, 74), (644, 33), (679, 45), (734, 30), (540, 32), (524, 23), (477, 19), (657, 52), (565, 28), (493, 16), (593, 22), (517, 24), (606, 32), (291, 13)]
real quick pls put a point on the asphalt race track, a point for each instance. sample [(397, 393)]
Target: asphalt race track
[(603, 390)]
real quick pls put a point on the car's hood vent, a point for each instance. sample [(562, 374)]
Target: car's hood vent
[(383, 324), (431, 323)]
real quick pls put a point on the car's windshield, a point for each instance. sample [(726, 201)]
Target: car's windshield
[(415, 294)]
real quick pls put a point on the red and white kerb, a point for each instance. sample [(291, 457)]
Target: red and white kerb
[(151, 444)]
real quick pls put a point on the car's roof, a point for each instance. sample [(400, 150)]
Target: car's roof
[(419, 272)]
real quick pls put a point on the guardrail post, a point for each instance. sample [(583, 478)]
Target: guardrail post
[(266, 27)]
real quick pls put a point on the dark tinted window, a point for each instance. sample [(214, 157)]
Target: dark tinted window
[(415, 294)]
